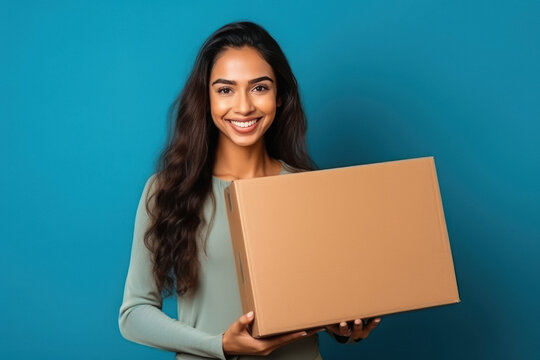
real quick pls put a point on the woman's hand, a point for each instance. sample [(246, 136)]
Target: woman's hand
[(360, 329), (237, 340)]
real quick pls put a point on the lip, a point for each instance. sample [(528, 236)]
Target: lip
[(244, 120), (245, 130)]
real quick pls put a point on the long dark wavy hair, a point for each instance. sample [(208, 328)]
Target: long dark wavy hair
[(183, 179)]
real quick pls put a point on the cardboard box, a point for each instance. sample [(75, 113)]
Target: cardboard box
[(319, 247)]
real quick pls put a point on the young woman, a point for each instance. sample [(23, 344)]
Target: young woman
[(238, 116)]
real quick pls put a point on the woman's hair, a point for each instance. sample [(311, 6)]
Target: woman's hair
[(183, 180)]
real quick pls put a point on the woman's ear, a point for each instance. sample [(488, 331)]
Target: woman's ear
[(278, 104)]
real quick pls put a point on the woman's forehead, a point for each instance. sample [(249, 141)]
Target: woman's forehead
[(240, 65)]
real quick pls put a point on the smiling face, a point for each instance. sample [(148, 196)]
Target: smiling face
[(243, 94)]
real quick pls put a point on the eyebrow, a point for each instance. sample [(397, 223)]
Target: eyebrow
[(252, 81)]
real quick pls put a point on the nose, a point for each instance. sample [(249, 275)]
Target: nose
[(243, 104)]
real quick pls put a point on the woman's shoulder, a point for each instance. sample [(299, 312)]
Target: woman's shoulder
[(289, 169), (151, 183), (150, 187)]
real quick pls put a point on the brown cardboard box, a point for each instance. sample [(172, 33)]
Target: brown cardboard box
[(319, 247)]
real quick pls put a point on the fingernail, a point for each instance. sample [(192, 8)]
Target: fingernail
[(357, 322), (250, 314), (342, 324), (378, 320), (304, 333)]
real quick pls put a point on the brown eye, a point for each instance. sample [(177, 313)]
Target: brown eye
[(260, 88), (224, 90)]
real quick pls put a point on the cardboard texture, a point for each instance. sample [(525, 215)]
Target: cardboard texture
[(319, 247)]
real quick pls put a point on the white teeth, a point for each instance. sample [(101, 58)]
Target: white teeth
[(244, 124)]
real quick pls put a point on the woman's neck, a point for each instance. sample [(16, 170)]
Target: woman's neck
[(243, 162)]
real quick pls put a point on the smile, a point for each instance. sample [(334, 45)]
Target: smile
[(244, 126)]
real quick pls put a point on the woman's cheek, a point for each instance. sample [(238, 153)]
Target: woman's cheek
[(267, 104), (219, 107)]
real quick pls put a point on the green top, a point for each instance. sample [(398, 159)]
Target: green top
[(203, 317)]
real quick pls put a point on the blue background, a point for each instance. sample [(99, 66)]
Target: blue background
[(84, 90)]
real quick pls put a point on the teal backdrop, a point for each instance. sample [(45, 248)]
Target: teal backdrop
[(84, 91)]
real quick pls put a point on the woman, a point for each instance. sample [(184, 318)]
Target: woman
[(238, 116)]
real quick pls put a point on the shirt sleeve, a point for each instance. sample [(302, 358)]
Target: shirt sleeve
[(141, 318)]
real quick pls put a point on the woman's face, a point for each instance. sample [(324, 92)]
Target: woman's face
[(243, 93)]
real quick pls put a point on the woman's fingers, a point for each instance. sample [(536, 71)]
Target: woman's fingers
[(361, 331), (373, 324), (344, 329), (335, 328), (245, 320), (358, 329), (237, 339)]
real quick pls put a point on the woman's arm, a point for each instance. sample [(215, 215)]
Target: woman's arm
[(141, 319)]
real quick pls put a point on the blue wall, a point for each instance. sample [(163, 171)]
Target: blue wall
[(85, 87)]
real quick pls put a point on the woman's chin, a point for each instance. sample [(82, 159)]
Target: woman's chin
[(245, 141)]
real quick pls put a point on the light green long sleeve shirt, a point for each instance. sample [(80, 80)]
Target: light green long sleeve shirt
[(203, 317)]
